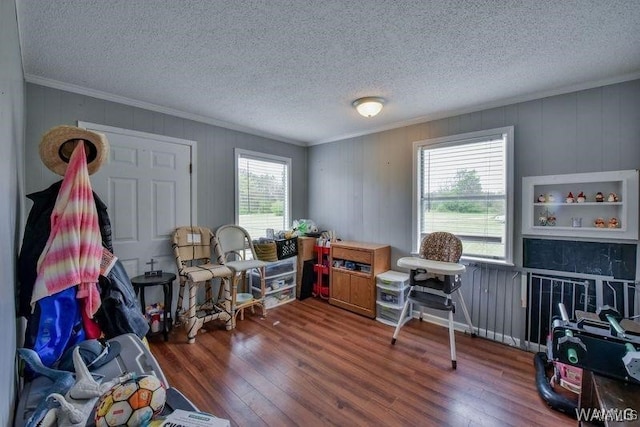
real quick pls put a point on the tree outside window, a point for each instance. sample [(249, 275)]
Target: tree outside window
[(464, 184)]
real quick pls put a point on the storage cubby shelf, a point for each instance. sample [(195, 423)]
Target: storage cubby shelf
[(577, 220)]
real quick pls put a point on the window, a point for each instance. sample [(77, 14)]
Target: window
[(464, 185), (263, 185)]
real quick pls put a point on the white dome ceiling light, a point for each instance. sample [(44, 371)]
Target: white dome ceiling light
[(369, 106)]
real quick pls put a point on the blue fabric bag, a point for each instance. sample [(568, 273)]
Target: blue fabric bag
[(59, 327)]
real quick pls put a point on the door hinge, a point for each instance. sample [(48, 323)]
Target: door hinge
[(190, 168)]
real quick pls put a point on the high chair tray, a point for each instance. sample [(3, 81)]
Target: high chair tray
[(435, 267)]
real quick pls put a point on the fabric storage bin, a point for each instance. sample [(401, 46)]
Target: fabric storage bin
[(391, 295), (393, 279), (390, 314)]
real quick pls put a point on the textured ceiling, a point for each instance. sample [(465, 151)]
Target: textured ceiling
[(290, 69)]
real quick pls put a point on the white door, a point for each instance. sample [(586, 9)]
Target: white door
[(146, 185)]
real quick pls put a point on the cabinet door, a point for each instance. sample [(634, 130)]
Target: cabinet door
[(340, 286), (361, 292)]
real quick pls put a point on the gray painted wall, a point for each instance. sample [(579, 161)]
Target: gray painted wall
[(361, 187), (49, 107), (12, 111)]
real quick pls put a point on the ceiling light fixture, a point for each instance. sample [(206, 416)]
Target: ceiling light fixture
[(368, 106)]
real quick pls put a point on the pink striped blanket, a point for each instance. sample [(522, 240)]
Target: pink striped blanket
[(74, 249)]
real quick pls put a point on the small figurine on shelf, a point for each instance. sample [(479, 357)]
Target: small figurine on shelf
[(551, 219), (570, 198), (541, 198), (581, 198), (599, 197), (613, 223), (551, 198), (542, 220), (613, 197), (599, 223)]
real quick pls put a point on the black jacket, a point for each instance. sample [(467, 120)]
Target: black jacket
[(36, 234)]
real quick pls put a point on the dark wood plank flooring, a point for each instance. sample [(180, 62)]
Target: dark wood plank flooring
[(309, 363)]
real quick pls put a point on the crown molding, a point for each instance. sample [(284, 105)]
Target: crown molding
[(30, 78), (485, 106), (55, 84)]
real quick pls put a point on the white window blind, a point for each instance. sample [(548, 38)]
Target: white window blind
[(262, 192), (464, 188)]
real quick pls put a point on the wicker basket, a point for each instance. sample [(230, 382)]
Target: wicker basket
[(266, 251)]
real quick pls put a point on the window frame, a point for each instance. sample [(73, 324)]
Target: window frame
[(265, 157), (461, 139)]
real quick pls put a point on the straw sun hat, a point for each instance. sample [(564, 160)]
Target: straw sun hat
[(58, 144)]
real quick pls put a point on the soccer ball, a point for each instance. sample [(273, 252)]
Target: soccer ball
[(132, 403)]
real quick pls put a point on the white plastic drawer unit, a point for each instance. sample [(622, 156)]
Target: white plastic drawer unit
[(280, 282), (279, 267), (390, 314), (392, 279), (392, 295)]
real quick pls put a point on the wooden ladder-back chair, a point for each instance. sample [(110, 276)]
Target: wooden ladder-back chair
[(235, 250), (192, 248), (434, 277)]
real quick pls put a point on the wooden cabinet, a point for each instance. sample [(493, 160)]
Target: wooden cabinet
[(609, 210), (607, 401), (353, 275)]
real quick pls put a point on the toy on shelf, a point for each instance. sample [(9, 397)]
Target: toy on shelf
[(613, 223), (570, 198), (581, 198), (551, 219), (599, 223), (613, 197), (599, 197), (541, 198), (547, 219)]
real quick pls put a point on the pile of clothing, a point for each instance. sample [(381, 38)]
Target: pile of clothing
[(71, 286)]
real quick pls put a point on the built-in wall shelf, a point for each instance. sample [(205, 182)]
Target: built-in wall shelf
[(609, 210)]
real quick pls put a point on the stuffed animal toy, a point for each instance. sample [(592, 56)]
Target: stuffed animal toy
[(72, 397)]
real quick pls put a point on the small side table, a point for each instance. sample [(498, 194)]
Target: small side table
[(166, 281)]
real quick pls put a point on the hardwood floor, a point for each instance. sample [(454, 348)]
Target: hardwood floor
[(309, 363)]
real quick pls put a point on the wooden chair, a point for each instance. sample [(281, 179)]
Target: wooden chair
[(434, 277), (192, 250), (235, 250)]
